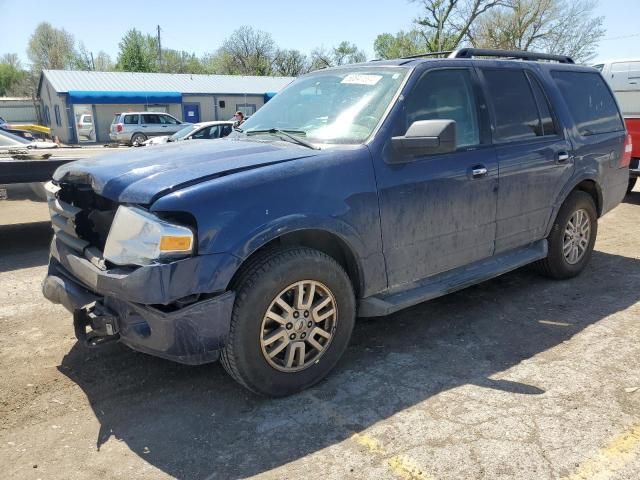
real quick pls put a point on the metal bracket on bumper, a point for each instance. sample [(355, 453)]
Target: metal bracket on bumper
[(102, 325)]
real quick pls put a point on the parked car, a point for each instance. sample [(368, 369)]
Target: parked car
[(133, 128), (18, 133), (85, 126), (197, 131), (8, 140), (624, 78), (361, 189)]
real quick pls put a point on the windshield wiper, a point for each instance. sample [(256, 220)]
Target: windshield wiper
[(285, 134)]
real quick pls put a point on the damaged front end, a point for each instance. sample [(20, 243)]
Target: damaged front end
[(175, 308)]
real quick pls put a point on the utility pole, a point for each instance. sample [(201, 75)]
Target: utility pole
[(93, 64), (159, 50)]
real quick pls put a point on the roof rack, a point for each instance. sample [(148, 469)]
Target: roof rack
[(509, 54), (428, 54)]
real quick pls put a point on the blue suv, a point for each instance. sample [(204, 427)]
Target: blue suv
[(358, 190)]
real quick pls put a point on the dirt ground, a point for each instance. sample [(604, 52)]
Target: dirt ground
[(520, 377)]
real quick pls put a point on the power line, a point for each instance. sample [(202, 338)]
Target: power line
[(621, 37)]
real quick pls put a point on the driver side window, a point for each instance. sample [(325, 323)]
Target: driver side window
[(446, 95)]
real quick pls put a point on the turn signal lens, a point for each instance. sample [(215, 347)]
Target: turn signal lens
[(172, 243)]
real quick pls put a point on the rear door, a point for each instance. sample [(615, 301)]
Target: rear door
[(534, 158), (152, 125)]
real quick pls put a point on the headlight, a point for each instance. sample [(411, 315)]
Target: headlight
[(138, 237)]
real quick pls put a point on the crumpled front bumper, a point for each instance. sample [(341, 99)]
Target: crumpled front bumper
[(133, 306)]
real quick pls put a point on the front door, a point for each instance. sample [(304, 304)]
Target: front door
[(191, 112), (535, 160), (436, 214)]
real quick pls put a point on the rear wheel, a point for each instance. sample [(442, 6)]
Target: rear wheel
[(572, 237), (632, 183), (292, 321), (137, 139)]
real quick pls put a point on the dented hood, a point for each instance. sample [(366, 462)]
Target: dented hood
[(141, 175)]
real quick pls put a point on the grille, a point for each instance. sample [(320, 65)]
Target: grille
[(81, 219)]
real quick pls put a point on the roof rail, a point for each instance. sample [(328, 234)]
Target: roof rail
[(509, 54), (428, 54)]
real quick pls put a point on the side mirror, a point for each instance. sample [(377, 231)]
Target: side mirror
[(427, 137)]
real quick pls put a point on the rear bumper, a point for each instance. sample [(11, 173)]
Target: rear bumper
[(132, 307)]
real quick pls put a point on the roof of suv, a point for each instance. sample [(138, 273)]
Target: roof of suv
[(497, 56)]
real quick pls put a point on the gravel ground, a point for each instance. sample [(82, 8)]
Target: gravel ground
[(520, 377)]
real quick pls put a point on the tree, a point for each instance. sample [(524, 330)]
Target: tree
[(290, 63), (138, 52), (347, 52), (341, 54), (174, 61), (400, 45), (566, 27), (51, 48), (103, 62), (82, 58), (247, 52), (445, 24), (14, 80)]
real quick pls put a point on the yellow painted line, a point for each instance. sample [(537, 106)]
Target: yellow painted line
[(557, 324), (400, 465), (370, 443), (406, 468), (614, 456)]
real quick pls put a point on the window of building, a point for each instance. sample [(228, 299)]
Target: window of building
[(591, 103), (56, 111), (47, 119)]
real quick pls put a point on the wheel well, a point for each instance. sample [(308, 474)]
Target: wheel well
[(590, 187), (322, 241)]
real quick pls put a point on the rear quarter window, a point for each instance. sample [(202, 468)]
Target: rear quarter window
[(131, 119), (590, 102)]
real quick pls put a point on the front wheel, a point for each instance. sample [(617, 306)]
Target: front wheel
[(292, 321), (572, 237)]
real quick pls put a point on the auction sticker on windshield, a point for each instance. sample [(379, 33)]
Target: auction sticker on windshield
[(361, 79)]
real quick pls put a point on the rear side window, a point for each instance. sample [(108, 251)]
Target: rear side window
[(591, 103), (131, 119), (151, 118), (515, 109)]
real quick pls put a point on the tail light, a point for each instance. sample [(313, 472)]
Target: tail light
[(625, 160), (119, 127)]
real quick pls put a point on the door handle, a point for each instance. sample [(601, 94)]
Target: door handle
[(479, 171), (563, 157)]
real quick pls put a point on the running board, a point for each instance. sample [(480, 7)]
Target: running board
[(447, 282)]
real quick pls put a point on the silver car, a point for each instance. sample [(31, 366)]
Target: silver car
[(133, 128), (197, 131)]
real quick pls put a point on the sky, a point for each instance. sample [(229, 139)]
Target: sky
[(201, 26)]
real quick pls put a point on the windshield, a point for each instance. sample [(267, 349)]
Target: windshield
[(183, 132), (333, 106)]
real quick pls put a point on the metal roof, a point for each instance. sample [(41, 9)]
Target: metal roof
[(64, 81)]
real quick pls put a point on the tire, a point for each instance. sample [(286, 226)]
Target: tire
[(632, 183), (137, 139), (260, 284), (557, 265)]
